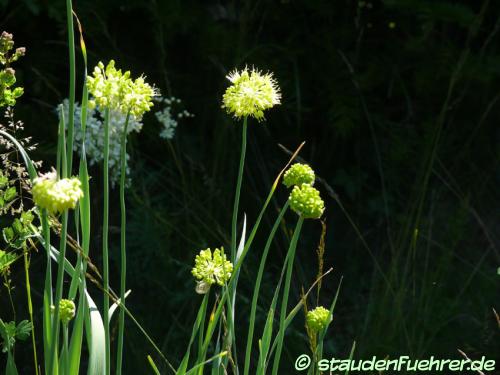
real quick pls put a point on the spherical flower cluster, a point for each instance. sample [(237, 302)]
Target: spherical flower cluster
[(318, 319), (299, 174), (56, 195), (66, 310), (113, 89), (212, 268), (306, 201), (251, 93)]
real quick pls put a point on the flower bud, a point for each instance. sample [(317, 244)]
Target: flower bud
[(318, 319), (306, 201), (66, 310), (298, 174)]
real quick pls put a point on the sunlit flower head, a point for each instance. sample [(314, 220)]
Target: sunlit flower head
[(251, 93), (306, 201), (66, 310), (211, 267), (299, 174), (318, 319), (56, 195), (113, 89)]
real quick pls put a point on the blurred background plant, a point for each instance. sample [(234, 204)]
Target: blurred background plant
[(398, 102)]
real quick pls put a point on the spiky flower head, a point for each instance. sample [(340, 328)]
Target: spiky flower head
[(113, 89), (306, 201), (318, 318), (299, 174), (66, 310), (211, 267), (56, 195), (251, 93)]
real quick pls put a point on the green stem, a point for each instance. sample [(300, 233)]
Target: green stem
[(105, 230), (123, 271), (256, 291), (231, 338), (30, 307), (54, 338), (47, 292), (238, 190), (286, 291), (72, 78), (65, 351), (59, 292)]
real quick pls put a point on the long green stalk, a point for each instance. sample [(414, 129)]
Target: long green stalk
[(105, 230), (47, 292), (256, 290), (286, 291), (59, 293), (123, 229), (30, 307), (54, 338), (234, 223), (72, 78)]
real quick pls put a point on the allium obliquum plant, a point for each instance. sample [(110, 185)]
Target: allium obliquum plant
[(62, 196), (72, 322), (249, 95)]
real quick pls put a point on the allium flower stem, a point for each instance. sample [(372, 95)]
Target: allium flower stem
[(105, 230), (255, 298), (72, 78), (286, 292), (47, 293), (232, 339), (238, 190), (59, 292), (123, 271)]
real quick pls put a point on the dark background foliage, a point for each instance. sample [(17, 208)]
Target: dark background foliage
[(398, 102)]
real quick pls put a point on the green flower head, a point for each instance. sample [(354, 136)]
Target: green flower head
[(56, 195), (306, 201), (113, 89), (318, 319), (299, 174), (66, 310), (250, 94), (212, 268)]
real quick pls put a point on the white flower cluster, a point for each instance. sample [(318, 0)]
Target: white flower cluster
[(94, 138), (168, 118)]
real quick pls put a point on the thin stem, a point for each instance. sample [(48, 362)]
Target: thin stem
[(123, 271), (54, 338), (72, 78), (47, 293), (286, 291), (238, 190), (65, 352), (30, 307), (256, 291), (105, 230), (59, 292), (231, 314)]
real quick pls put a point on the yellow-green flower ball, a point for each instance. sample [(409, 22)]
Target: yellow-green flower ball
[(55, 195), (318, 319), (212, 267), (299, 174), (306, 201), (250, 94), (111, 88), (66, 310)]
